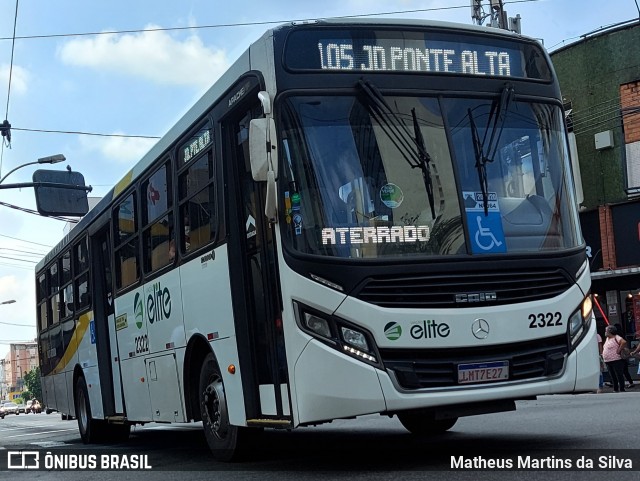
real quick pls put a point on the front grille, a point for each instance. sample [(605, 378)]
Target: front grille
[(444, 290), (429, 368)]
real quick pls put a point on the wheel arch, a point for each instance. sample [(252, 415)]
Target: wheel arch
[(197, 349)]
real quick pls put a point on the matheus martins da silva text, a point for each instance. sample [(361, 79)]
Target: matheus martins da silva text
[(547, 462)]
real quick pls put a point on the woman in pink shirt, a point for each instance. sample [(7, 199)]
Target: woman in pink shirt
[(611, 355)]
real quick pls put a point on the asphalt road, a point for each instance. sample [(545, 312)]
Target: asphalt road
[(602, 428)]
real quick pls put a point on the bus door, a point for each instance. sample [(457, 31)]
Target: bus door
[(254, 279), (106, 324)]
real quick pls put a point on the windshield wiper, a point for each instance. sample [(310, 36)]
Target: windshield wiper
[(411, 147), (425, 160), (498, 113)]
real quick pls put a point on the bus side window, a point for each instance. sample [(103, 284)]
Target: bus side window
[(196, 197), (126, 242), (157, 220)]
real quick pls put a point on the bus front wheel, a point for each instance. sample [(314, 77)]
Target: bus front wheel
[(88, 427), (424, 422), (94, 431), (223, 438)]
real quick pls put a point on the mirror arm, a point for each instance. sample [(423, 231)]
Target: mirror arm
[(270, 205)]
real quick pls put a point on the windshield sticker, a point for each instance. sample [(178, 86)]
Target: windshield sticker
[(375, 235), (287, 207), (391, 195), (250, 227), (485, 231), (296, 216)]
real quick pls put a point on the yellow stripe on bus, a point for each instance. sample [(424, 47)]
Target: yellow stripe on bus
[(124, 182), (74, 342)]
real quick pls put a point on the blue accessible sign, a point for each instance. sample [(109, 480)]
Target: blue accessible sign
[(485, 230)]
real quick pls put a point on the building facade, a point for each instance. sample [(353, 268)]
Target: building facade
[(600, 82), (22, 358)]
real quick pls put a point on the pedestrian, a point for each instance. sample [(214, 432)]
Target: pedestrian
[(625, 368), (611, 355), (636, 352)]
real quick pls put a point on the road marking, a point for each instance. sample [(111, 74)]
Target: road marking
[(39, 434), (49, 444)]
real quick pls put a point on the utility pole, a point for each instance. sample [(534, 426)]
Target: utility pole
[(497, 15)]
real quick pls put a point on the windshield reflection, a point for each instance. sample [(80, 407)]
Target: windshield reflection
[(366, 177)]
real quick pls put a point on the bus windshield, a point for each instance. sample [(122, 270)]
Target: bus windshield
[(369, 176)]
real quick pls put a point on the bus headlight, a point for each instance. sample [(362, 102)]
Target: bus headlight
[(579, 322), (354, 338), (318, 325), (338, 333)]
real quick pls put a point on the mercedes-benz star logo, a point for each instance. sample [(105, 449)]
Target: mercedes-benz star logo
[(480, 328)]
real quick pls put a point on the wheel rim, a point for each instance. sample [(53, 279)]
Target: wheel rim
[(215, 408), (82, 411)]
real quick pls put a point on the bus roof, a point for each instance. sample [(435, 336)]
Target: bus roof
[(229, 77)]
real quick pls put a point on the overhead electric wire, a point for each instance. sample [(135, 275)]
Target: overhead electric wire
[(77, 132), (247, 24), (16, 324), (18, 259), (13, 45), (16, 266), (35, 212), (23, 252), (27, 241), (6, 115)]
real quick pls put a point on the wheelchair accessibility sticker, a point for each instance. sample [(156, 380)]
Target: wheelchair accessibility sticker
[(485, 231)]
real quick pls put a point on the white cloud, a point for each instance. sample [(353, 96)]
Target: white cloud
[(154, 56), (10, 287), (118, 149), (19, 78)]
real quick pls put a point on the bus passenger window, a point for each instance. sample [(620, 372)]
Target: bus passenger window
[(126, 241), (196, 193), (157, 222), (157, 241), (82, 288), (127, 265)]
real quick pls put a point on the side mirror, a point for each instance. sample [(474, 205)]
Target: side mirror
[(262, 148), (60, 192)]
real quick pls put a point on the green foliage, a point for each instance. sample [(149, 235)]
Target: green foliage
[(32, 381)]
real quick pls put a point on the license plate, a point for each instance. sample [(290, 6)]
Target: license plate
[(483, 372)]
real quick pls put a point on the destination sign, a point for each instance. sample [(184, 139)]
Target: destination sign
[(198, 143), (343, 56), (431, 52)]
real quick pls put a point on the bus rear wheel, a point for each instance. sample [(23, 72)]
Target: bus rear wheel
[(223, 438), (424, 422)]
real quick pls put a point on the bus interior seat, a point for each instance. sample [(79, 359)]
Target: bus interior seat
[(527, 222), (199, 237), (129, 271), (160, 256)]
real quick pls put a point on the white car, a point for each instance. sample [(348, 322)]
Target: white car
[(8, 408)]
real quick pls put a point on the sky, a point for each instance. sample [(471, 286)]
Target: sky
[(132, 87)]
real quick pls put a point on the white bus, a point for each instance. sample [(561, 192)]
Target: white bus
[(358, 217)]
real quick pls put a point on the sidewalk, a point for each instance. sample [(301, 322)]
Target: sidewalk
[(634, 388)]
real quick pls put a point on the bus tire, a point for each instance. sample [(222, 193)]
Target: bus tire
[(223, 438), (89, 428), (424, 423)]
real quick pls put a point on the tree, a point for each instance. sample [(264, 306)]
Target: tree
[(32, 381)]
